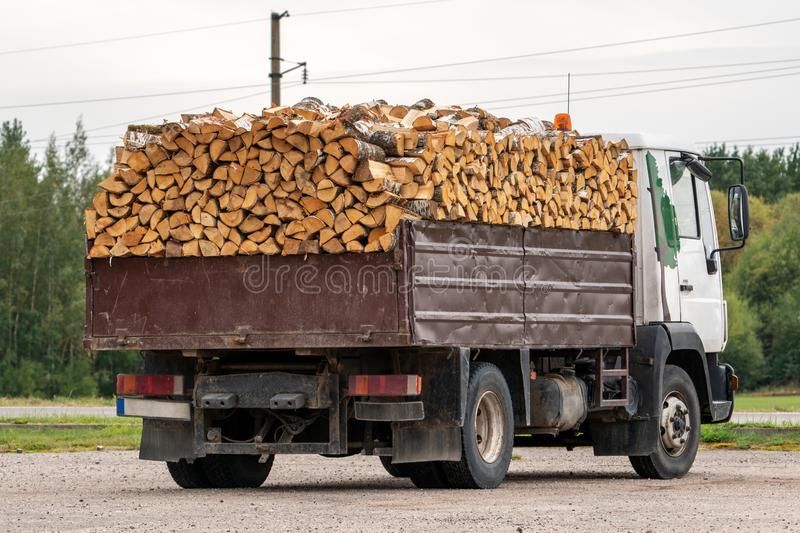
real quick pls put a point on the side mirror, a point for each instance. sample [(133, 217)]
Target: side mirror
[(696, 167), (738, 212)]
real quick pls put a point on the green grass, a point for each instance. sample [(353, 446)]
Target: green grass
[(755, 436), (57, 401), (764, 402), (49, 439), (32, 434)]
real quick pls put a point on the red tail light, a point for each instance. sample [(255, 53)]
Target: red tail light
[(385, 385), (149, 385)]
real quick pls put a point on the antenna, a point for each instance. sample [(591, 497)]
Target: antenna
[(569, 80)]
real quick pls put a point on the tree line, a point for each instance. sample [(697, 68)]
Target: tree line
[(42, 252), (42, 270), (761, 281)]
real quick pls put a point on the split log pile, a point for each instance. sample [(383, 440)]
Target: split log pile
[(311, 178)]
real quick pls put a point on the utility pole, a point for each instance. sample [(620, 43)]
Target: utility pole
[(275, 59), (275, 56)]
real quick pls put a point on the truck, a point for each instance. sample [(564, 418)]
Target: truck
[(442, 354)]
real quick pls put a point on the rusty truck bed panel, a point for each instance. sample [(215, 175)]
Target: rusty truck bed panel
[(468, 284), (444, 284), (243, 301), (578, 289)]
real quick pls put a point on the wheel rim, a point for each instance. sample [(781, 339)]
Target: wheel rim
[(489, 434), (676, 424)]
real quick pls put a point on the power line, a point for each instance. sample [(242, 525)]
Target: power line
[(133, 97), (445, 80), (567, 50), (662, 89), (637, 85), (795, 143), (751, 139), (556, 76), (130, 37), (196, 28), (366, 8), (162, 115)]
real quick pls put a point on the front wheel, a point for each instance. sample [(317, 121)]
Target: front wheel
[(679, 428)]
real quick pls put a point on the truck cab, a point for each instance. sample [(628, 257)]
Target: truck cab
[(442, 354)]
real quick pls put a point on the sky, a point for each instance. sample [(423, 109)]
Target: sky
[(757, 100)]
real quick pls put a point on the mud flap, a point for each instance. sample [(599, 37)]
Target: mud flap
[(166, 440), (638, 437), (417, 442)]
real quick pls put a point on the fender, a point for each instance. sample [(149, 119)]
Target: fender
[(688, 353), (657, 345)]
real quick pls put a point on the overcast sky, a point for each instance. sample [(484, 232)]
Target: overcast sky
[(402, 37)]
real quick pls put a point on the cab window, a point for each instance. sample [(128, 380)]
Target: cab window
[(684, 197)]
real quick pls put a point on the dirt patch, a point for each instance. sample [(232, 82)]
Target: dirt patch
[(546, 489)]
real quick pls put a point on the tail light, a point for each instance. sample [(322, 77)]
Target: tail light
[(149, 385), (385, 385)]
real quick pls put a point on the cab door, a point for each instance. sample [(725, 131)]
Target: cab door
[(700, 279)]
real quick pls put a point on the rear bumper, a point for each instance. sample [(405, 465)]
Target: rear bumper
[(389, 411), (155, 409)]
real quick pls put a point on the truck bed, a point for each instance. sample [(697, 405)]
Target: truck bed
[(443, 284)]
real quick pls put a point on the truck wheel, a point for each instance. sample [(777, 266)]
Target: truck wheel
[(487, 438), (395, 470), (236, 471), (189, 475), (427, 475), (679, 427)]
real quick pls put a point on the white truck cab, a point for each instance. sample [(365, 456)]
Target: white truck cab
[(676, 238)]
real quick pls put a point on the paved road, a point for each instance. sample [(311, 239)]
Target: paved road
[(38, 411), (770, 417), (547, 489)]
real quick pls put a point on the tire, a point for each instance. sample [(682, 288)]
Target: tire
[(189, 475), (427, 475), (394, 470), (236, 471), (675, 452), (487, 438)]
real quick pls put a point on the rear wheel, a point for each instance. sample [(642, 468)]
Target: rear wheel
[(427, 475), (487, 437), (236, 471), (395, 470), (189, 475), (679, 427)]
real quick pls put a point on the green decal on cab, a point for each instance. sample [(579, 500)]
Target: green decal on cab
[(666, 223)]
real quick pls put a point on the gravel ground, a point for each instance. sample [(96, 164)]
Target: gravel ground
[(547, 489)]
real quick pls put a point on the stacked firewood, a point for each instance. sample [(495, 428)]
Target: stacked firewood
[(311, 178)]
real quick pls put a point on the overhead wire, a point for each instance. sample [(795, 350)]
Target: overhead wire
[(637, 85), (752, 139), (558, 76), (201, 28), (162, 115), (366, 8), (442, 80), (565, 50), (646, 91)]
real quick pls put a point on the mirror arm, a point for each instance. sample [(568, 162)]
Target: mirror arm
[(727, 249), (741, 182), (737, 159)]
